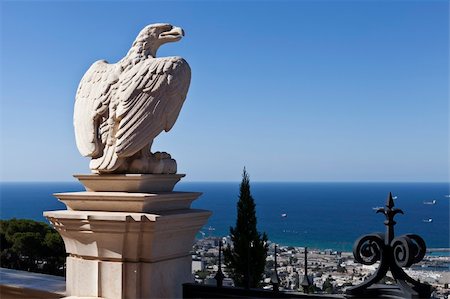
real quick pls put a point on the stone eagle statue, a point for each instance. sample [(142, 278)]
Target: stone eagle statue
[(120, 108)]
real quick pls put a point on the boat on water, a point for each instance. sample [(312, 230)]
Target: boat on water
[(284, 215), (433, 202), (427, 220), (377, 208), (448, 195)]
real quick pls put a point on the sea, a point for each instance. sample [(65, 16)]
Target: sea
[(318, 215)]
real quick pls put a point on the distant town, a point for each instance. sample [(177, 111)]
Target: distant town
[(328, 271)]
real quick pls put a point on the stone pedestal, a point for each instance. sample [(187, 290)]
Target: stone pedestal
[(129, 182), (127, 245)]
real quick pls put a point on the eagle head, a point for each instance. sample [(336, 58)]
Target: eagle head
[(153, 36)]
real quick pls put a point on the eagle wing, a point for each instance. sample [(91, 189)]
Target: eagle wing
[(149, 98), (91, 103)]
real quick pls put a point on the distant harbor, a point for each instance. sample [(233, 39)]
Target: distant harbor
[(322, 264)]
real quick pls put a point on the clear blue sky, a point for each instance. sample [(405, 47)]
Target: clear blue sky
[(293, 90)]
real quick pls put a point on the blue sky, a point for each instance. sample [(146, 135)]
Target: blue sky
[(293, 90)]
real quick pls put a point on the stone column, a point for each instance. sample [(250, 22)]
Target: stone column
[(129, 242)]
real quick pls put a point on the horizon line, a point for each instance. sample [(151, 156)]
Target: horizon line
[(236, 181)]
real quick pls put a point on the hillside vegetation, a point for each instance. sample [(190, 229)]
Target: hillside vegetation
[(31, 246)]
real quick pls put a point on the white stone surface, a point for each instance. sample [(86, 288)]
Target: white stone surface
[(128, 255), (129, 182), (120, 236), (32, 281), (120, 108), (128, 202), (82, 278), (111, 279)]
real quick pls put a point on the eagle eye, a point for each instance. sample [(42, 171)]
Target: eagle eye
[(166, 28)]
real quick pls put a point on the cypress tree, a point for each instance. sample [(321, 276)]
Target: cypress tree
[(245, 261)]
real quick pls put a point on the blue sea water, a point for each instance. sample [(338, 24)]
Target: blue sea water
[(319, 215)]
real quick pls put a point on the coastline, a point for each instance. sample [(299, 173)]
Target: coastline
[(440, 252), (322, 265)]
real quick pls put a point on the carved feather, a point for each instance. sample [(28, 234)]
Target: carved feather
[(142, 101)]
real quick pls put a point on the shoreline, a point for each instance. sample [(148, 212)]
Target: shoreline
[(322, 265), (434, 252)]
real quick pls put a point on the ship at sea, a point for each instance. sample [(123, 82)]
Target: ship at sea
[(317, 215), (433, 202)]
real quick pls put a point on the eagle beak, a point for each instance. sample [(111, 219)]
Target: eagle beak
[(175, 34)]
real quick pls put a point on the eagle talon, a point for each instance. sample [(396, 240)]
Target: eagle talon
[(156, 163), (162, 163)]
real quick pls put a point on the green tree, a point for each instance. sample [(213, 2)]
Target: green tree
[(28, 244), (328, 286), (245, 261), (202, 274), (55, 254), (32, 246), (312, 289)]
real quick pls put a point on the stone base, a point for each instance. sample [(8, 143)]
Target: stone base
[(129, 182), (108, 279), (124, 201), (119, 255)]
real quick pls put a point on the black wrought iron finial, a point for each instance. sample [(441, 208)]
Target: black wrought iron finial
[(389, 211), (306, 283), (274, 279), (306, 261), (219, 275), (393, 254)]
